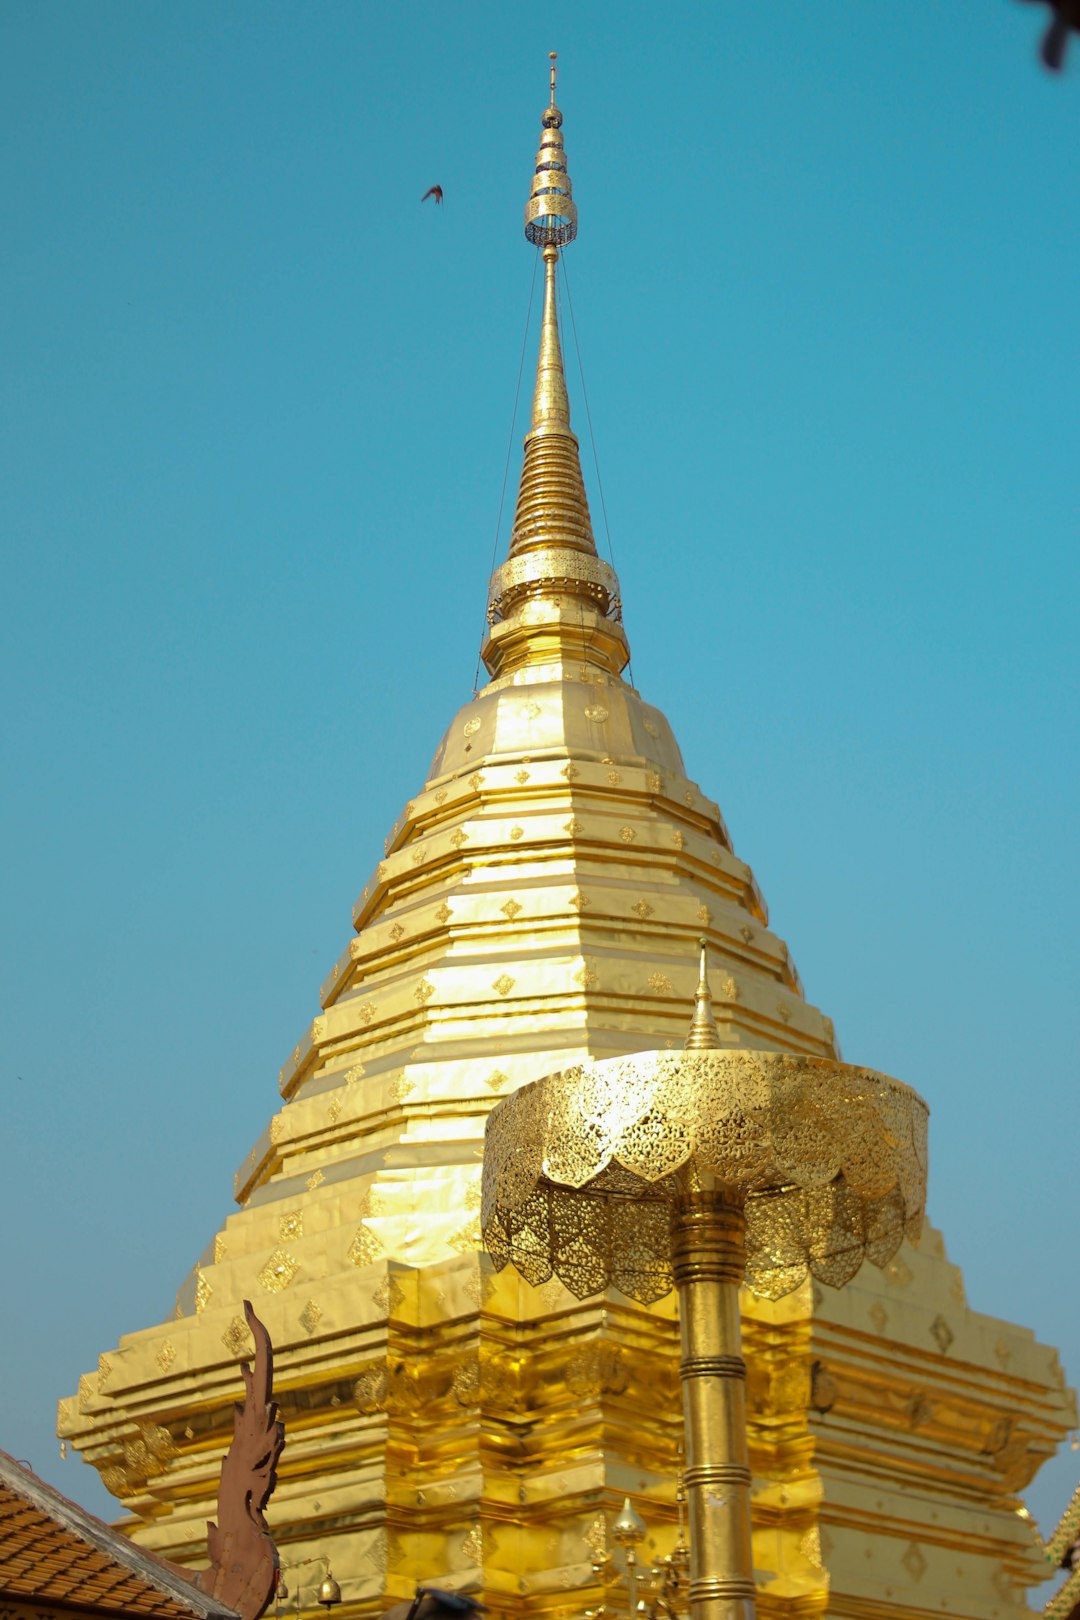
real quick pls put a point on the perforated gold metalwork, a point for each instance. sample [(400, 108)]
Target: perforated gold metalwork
[(581, 1168)]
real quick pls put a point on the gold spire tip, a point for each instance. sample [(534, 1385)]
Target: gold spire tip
[(550, 214), (704, 1035)]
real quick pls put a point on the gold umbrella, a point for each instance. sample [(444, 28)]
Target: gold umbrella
[(700, 1170)]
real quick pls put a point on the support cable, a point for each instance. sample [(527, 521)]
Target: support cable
[(506, 464), (592, 436)]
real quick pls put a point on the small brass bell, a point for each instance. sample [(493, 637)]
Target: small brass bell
[(282, 1590), (329, 1591)]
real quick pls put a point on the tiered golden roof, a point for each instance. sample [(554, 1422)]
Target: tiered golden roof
[(538, 904)]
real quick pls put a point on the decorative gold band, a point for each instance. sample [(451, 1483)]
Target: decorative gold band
[(718, 1474), (721, 1589), (552, 566), (712, 1367), (708, 1240)]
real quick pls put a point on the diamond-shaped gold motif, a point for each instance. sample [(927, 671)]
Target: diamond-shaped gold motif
[(504, 984), (440, 796), (444, 914), (578, 901), (364, 1248), (472, 1545), (220, 1248), (573, 827), (784, 1010), (521, 776), (290, 1226), (424, 991), (942, 1333), (203, 1290), (677, 838), (397, 932), (511, 909), (354, 1074), (104, 1370), (899, 1272), (660, 984), (401, 1087), (366, 1013), (914, 1562), (315, 1179), (166, 1355), (704, 916), (237, 1337), (496, 1080), (643, 910), (277, 1129), (729, 989), (467, 1239), (571, 773), (746, 932), (333, 1112), (614, 778), (458, 837), (516, 833), (278, 1271), (389, 1295), (475, 780), (879, 1316), (310, 1317), (596, 713), (587, 976), (627, 834), (656, 782)]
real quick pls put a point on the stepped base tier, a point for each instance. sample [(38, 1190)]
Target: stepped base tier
[(538, 907)]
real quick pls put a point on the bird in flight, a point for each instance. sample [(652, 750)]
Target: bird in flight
[(433, 191)]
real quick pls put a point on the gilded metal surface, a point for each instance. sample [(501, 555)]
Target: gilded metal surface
[(550, 214), (708, 1259), (552, 568), (538, 1411), (581, 1168)]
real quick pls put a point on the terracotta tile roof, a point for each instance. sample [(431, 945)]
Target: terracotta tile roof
[(54, 1552)]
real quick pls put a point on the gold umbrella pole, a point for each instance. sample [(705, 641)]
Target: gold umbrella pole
[(709, 1263)]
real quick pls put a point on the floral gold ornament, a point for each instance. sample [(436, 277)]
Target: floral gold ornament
[(278, 1271), (700, 1170)]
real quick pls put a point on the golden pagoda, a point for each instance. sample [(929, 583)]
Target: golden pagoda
[(538, 904)]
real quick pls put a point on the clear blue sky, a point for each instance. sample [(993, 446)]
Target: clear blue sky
[(254, 406)]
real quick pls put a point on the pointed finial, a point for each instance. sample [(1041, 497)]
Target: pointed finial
[(704, 1035), (553, 601), (550, 214)]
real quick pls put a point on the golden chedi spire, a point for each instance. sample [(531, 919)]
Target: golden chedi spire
[(704, 1035), (554, 602)]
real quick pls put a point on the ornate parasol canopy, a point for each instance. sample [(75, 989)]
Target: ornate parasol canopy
[(582, 1168)]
